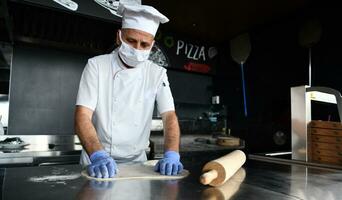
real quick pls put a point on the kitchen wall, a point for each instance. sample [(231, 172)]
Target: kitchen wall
[(43, 90)]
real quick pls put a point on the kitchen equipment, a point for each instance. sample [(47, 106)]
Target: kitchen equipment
[(301, 114), (12, 143), (309, 35), (203, 140), (217, 172), (71, 5), (217, 117), (240, 49)]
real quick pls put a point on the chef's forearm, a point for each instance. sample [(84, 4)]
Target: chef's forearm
[(171, 131), (86, 132)]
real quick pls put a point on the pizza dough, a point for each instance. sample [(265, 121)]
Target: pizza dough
[(138, 171)]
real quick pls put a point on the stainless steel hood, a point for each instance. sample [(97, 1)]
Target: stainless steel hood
[(83, 7), (90, 29)]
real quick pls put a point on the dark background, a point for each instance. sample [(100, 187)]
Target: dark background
[(276, 63), (58, 43)]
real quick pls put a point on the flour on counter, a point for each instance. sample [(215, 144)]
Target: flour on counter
[(59, 179), (58, 176)]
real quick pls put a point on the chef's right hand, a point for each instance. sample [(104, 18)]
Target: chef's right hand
[(102, 165)]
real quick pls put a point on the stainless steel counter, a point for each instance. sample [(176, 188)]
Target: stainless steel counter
[(57, 149), (258, 180)]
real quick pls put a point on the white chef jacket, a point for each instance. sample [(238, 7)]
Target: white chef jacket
[(123, 100)]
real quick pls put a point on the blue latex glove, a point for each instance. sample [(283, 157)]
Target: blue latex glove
[(170, 164), (102, 165)]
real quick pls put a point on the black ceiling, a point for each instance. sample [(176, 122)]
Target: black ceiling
[(213, 21), (220, 20)]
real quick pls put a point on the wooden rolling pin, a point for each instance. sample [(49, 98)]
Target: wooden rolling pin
[(227, 190), (217, 172)]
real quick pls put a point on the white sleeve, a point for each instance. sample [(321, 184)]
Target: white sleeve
[(164, 96), (88, 89)]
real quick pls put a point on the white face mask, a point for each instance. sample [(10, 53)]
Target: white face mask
[(131, 56)]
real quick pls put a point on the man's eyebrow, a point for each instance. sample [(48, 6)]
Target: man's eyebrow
[(130, 38), (146, 41)]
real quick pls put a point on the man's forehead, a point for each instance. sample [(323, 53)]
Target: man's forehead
[(137, 33)]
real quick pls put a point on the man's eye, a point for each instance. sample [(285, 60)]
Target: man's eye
[(144, 45)]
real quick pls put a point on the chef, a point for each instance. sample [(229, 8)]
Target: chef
[(116, 98)]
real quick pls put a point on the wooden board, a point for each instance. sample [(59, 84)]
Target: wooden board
[(325, 142), (228, 141), (326, 139), (325, 124), (327, 132), (138, 171)]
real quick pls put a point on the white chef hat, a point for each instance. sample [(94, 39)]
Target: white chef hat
[(141, 17)]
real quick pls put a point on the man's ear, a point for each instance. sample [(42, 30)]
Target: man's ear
[(118, 42)]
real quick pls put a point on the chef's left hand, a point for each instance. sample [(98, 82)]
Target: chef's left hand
[(170, 164)]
